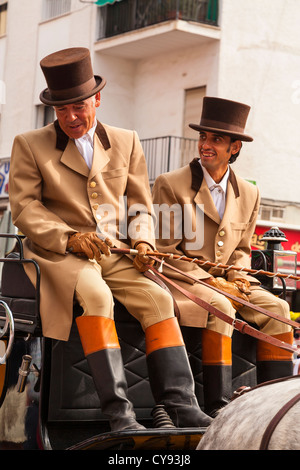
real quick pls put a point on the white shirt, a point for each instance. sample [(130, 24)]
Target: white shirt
[(85, 145), (217, 190)]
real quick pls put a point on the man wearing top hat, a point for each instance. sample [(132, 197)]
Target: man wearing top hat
[(230, 205), (66, 183)]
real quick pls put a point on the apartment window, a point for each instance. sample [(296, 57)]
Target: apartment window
[(271, 213), (3, 15), (52, 8), (192, 112), (44, 115)]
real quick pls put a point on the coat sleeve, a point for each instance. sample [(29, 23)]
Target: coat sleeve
[(169, 230), (141, 217), (32, 218)]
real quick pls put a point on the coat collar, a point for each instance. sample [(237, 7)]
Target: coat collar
[(69, 149), (197, 177), (62, 139), (203, 196)]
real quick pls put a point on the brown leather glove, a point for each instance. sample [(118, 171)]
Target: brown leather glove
[(243, 284), (231, 288), (142, 262), (89, 245)]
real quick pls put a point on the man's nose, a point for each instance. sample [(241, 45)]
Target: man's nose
[(206, 144), (71, 115)]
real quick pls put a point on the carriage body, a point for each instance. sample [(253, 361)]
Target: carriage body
[(48, 400)]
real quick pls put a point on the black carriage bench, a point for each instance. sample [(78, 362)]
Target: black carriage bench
[(66, 402)]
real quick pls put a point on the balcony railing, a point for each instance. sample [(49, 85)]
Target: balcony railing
[(167, 153), (129, 15)]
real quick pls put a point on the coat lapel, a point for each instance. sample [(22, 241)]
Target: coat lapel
[(100, 159), (232, 199), (72, 158), (203, 195), (230, 207)]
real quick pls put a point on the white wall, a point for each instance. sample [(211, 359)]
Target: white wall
[(160, 84), (148, 95), (257, 62), (260, 65), (19, 70), (70, 30), (28, 40), (118, 95)]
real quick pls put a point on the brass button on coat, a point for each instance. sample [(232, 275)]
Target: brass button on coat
[(220, 243), (93, 184), (94, 195), (222, 233)]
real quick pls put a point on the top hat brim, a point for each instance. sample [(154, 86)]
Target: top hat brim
[(236, 135), (46, 98)]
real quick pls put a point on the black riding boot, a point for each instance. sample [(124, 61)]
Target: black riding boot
[(101, 347), (273, 362), (217, 371), (170, 375), (217, 388)]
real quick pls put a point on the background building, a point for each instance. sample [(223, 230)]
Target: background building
[(160, 57)]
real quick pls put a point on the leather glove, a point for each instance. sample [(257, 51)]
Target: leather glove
[(231, 288), (89, 245), (141, 261), (243, 284)]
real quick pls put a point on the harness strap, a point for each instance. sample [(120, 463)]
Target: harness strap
[(279, 415), (237, 324), (244, 328), (157, 280), (275, 420), (233, 297), (245, 389)]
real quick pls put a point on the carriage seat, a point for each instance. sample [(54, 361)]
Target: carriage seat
[(72, 395), (19, 294)]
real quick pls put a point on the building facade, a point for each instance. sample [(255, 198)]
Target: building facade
[(160, 57)]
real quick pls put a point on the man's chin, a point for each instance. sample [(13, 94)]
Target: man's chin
[(74, 132)]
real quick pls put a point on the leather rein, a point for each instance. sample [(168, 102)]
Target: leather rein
[(243, 328), (265, 440), (240, 325), (237, 324)]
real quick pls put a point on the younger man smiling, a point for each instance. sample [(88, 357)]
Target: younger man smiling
[(230, 205)]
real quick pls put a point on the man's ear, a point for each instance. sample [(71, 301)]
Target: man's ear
[(236, 147), (97, 99)]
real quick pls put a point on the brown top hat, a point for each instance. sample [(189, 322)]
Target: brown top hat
[(69, 76), (225, 117)]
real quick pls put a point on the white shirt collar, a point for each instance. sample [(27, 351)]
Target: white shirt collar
[(88, 136), (85, 145), (211, 183)]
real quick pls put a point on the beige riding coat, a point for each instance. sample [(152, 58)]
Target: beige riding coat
[(53, 194), (203, 235)]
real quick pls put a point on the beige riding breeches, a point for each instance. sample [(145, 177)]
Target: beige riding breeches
[(116, 277)]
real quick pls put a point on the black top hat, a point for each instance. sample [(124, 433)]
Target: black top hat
[(225, 117), (69, 76)]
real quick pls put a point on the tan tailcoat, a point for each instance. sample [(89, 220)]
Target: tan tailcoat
[(53, 194), (225, 241)]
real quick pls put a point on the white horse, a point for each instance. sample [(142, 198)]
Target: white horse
[(258, 417)]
